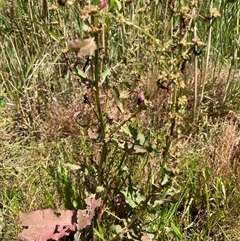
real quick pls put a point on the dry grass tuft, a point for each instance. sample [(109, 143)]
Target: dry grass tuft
[(61, 123), (222, 153), (225, 149)]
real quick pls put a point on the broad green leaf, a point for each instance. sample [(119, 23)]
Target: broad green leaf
[(158, 203), (105, 74), (128, 199), (165, 179), (132, 197), (141, 138), (137, 135), (122, 171), (125, 129), (139, 198)]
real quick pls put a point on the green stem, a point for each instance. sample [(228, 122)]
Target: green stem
[(165, 156), (96, 82), (98, 102), (102, 163)]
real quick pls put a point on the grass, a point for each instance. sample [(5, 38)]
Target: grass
[(151, 128)]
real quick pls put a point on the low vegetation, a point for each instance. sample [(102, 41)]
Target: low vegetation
[(119, 120)]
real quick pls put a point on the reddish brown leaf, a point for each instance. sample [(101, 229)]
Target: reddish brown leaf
[(88, 48), (92, 202), (141, 98), (42, 225), (84, 217), (75, 45)]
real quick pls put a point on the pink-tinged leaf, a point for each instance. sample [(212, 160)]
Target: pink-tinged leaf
[(94, 134), (102, 4), (84, 217), (141, 98), (92, 202), (42, 225), (88, 48), (83, 48), (75, 45)]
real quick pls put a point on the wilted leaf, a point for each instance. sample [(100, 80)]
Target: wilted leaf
[(139, 149), (88, 48), (172, 191), (215, 13), (147, 236), (70, 2), (75, 45), (124, 94), (198, 41), (83, 48), (72, 167), (42, 225)]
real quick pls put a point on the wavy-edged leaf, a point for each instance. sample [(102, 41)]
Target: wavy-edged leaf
[(43, 225)]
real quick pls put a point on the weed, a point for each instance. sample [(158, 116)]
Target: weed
[(125, 113)]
